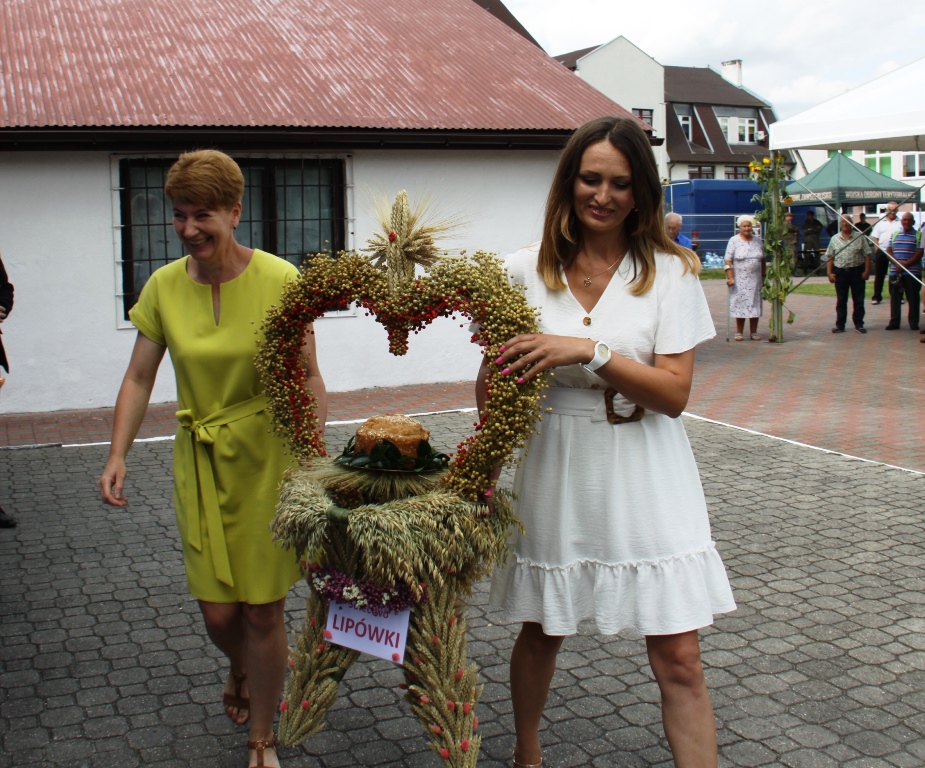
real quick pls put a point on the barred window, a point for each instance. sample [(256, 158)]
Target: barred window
[(291, 207)]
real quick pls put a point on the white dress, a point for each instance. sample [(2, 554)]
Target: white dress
[(615, 519), (746, 256)]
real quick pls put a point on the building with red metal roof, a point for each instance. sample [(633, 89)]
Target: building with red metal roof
[(324, 104), (331, 74)]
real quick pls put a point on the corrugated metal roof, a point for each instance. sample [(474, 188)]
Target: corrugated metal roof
[(395, 64)]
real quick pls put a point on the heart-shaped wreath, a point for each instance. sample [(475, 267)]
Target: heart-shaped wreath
[(426, 543), (473, 287)]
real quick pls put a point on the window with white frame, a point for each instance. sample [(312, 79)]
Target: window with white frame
[(685, 117), (913, 164), (292, 207), (881, 162), (738, 124), (747, 127)]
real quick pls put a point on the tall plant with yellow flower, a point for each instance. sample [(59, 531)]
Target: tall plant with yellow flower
[(771, 174)]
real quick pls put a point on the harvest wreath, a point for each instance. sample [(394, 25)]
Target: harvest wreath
[(425, 535)]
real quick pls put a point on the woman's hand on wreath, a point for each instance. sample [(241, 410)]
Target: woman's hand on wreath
[(528, 354), (487, 497)]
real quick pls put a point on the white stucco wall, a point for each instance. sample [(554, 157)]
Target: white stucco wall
[(68, 347), (633, 79)]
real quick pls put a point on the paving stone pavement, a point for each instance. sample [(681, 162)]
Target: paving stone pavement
[(104, 661)]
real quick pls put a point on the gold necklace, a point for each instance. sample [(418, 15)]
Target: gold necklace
[(587, 280)]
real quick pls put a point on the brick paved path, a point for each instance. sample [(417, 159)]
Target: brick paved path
[(863, 395), (104, 661)]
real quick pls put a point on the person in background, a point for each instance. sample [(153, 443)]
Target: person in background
[(673, 223), (207, 309), (905, 248), (863, 226), (745, 267), (812, 228), (848, 266), (6, 306), (882, 233)]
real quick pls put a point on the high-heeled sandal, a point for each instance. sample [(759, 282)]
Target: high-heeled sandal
[(236, 700), (260, 745)]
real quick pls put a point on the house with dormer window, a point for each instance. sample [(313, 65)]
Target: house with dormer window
[(711, 125)]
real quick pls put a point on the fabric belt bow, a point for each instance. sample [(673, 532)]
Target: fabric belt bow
[(202, 433)]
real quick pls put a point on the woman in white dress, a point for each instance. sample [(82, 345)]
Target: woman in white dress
[(609, 493), (745, 266)]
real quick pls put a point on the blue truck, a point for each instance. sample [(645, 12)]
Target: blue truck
[(710, 207)]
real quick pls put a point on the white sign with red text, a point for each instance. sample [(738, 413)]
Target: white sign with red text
[(381, 636)]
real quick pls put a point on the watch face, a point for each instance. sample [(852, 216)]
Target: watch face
[(601, 348)]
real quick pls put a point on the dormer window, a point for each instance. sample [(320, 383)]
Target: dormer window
[(738, 124), (683, 111)]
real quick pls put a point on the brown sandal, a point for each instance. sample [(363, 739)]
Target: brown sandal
[(236, 700), (260, 745)]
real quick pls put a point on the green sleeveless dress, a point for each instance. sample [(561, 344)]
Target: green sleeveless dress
[(227, 463)]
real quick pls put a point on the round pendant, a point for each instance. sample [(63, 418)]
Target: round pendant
[(587, 321)]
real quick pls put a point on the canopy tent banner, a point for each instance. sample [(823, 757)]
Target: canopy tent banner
[(886, 113), (842, 181)]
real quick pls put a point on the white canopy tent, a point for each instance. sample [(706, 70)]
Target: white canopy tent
[(886, 113)]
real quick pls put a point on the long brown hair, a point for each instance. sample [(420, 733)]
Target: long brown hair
[(644, 227)]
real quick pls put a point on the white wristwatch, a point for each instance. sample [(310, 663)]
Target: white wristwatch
[(601, 357)]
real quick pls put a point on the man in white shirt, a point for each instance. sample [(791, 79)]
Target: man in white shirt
[(882, 234)]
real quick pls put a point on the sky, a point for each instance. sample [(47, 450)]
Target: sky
[(796, 56)]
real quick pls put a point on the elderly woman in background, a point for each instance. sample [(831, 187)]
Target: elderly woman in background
[(206, 308), (745, 268)]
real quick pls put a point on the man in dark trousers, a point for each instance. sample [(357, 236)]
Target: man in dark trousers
[(882, 233), (6, 305), (905, 250)]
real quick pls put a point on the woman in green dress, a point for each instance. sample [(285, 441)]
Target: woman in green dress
[(207, 309)]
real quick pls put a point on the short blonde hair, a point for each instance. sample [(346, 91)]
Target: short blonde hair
[(205, 177)]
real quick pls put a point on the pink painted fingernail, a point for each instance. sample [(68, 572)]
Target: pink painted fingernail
[(505, 372), (502, 348), (520, 380), (498, 361)]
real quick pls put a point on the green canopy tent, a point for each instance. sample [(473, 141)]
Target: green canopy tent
[(842, 182)]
